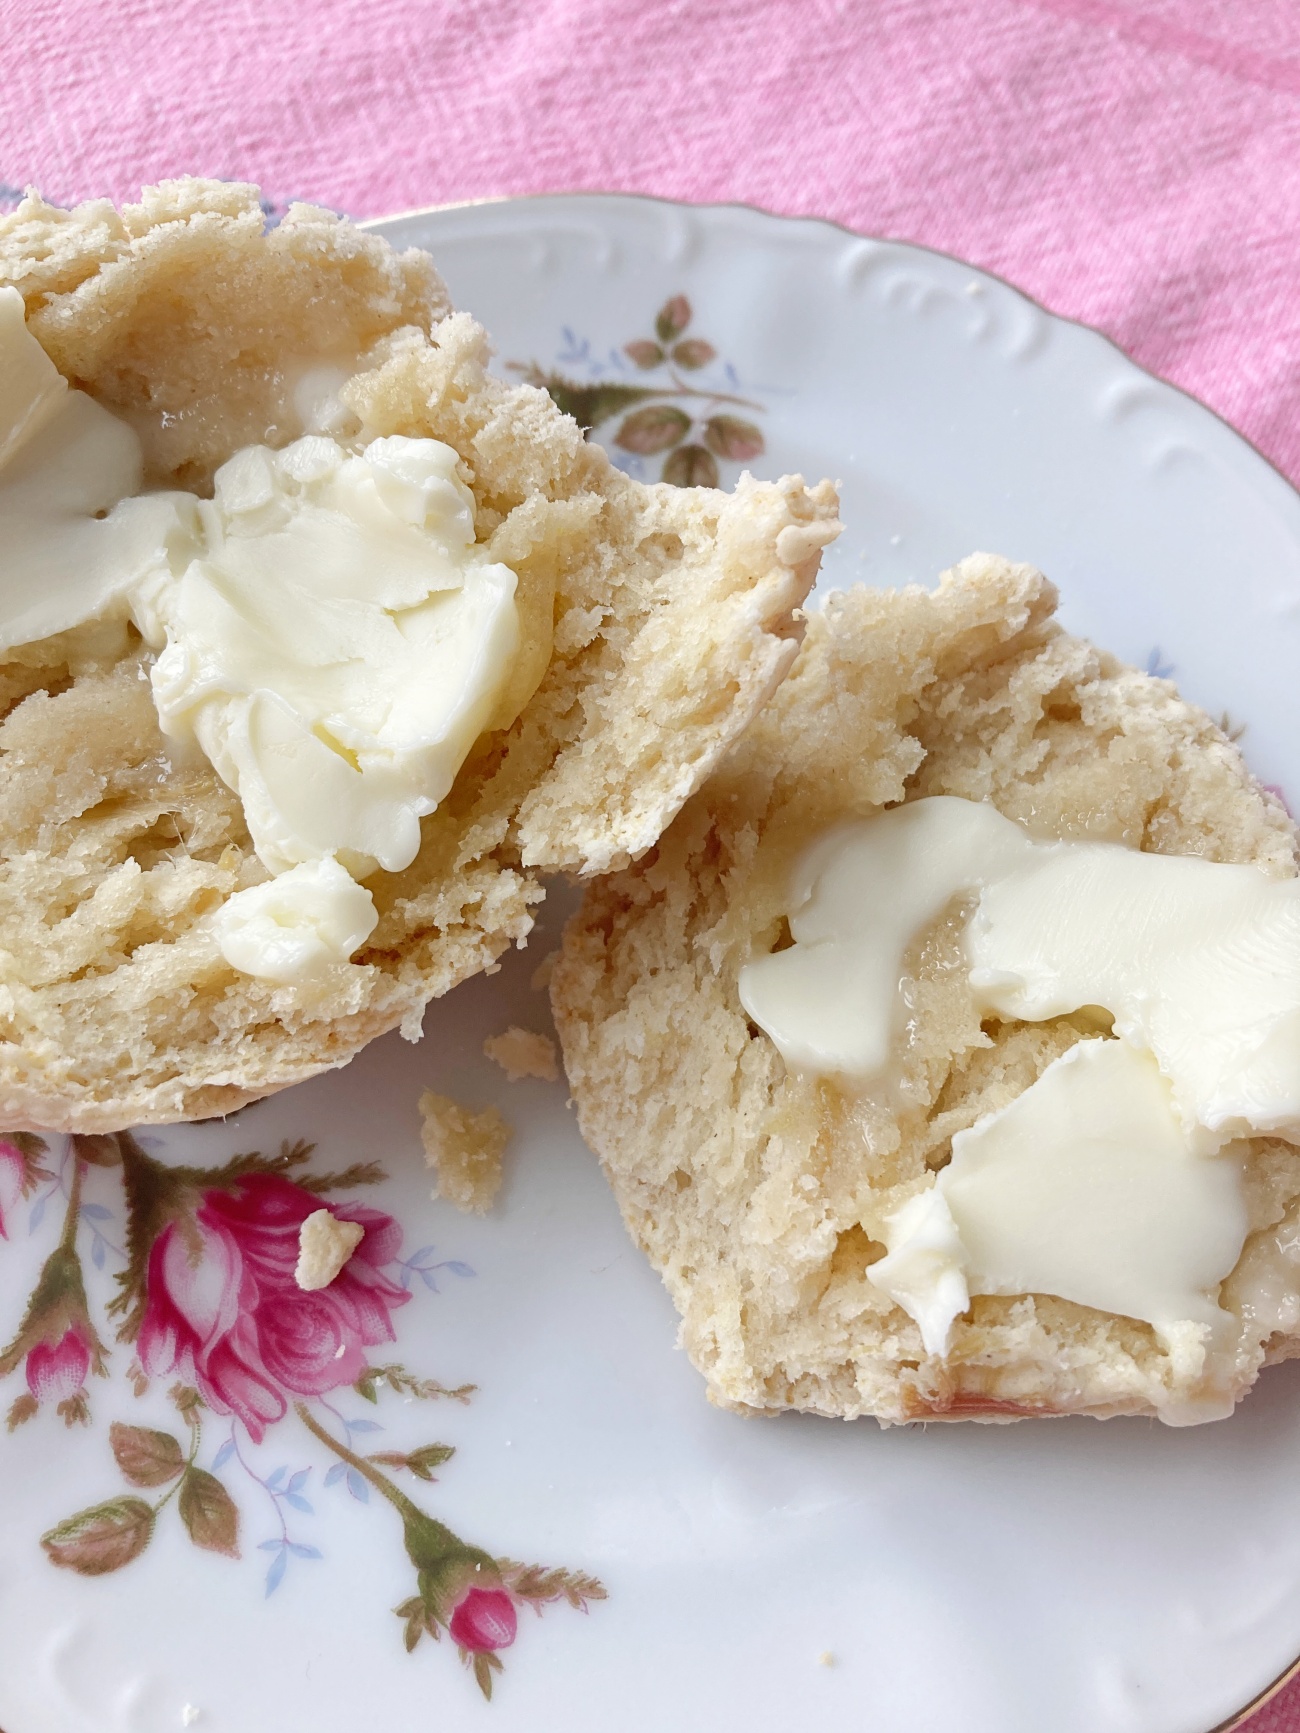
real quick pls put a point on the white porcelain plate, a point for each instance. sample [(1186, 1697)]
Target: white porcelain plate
[(236, 1565)]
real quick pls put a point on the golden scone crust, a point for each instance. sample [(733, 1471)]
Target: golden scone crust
[(760, 1195), (656, 622)]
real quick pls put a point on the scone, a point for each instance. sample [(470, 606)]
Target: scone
[(649, 626), (771, 1198)]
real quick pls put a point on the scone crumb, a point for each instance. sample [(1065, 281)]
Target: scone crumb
[(464, 1149), (324, 1245), (545, 969), (523, 1053), (825, 1659)]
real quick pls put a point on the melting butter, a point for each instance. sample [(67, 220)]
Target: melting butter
[(1085, 1187), (1102, 1183), (73, 540), (337, 647), (326, 630), (1196, 961), (859, 896), (293, 927)]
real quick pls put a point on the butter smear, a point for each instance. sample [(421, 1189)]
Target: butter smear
[(1110, 1181), (1084, 1187)]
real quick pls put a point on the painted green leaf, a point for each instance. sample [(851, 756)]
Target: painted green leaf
[(31, 1148), (540, 1584), (100, 1149), (210, 1515), (693, 353), (24, 1409), (672, 318), (589, 405), (656, 428), (691, 466), (397, 1378), (421, 1462), (101, 1539), (644, 353), (485, 1664), (146, 1457), (413, 1616), (730, 437)]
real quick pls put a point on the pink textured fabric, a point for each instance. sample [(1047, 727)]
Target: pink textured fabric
[(1132, 163)]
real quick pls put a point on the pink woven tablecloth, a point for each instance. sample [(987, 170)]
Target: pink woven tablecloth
[(1132, 163)]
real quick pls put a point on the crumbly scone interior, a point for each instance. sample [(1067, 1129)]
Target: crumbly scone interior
[(185, 316), (657, 621), (759, 1194)]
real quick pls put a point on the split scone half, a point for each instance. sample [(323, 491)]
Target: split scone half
[(825, 1239), (631, 634)]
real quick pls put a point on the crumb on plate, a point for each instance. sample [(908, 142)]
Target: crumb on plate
[(464, 1149), (523, 1053), (324, 1245)]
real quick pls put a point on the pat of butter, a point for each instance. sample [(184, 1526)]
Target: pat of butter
[(1085, 1187), (296, 926), (859, 896), (338, 647), (32, 390), (327, 631), (1197, 961), (72, 539)]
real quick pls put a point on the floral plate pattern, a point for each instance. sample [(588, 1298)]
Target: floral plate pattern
[(208, 1299), (216, 1492)]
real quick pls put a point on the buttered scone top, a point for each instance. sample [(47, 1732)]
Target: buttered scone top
[(945, 1054), (318, 644)]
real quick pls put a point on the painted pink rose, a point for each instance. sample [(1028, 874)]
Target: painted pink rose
[(13, 1177), (485, 1619), (57, 1371), (223, 1310)]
